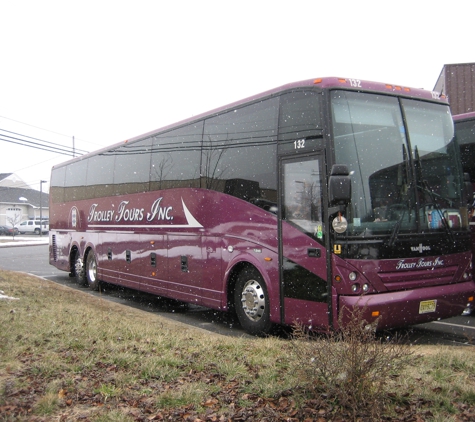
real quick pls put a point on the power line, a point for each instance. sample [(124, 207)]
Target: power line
[(40, 128), (37, 143), (38, 147)]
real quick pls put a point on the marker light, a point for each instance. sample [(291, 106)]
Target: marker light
[(468, 308), (398, 88), (375, 314), (338, 278), (318, 81)]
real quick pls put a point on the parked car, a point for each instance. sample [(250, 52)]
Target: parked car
[(33, 226), (8, 231)]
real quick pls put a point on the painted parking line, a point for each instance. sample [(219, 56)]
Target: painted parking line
[(454, 325)]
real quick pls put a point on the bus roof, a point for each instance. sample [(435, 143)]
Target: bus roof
[(322, 83), (464, 116)]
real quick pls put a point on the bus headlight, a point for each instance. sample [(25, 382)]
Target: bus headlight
[(365, 287), (352, 276), (355, 287)]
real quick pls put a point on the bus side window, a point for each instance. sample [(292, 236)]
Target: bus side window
[(176, 157), (132, 167), (239, 153)]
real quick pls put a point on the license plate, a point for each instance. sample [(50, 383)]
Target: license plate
[(427, 306)]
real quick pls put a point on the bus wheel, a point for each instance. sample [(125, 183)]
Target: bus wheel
[(251, 302), (91, 271), (79, 272)]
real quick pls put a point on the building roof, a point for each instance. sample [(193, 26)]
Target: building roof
[(12, 196), (13, 181)]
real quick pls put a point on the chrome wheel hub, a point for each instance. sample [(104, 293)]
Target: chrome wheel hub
[(92, 270), (253, 300)]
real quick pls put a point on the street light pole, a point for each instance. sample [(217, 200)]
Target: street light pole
[(41, 207)]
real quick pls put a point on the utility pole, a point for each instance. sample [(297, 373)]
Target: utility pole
[(41, 206)]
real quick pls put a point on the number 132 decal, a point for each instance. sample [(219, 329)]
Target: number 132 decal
[(299, 144), (355, 82)]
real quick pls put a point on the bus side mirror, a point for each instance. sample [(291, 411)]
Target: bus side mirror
[(339, 185), (468, 187)]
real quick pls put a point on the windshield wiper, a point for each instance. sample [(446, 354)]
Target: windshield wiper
[(426, 188), (434, 195), (396, 228), (437, 208)]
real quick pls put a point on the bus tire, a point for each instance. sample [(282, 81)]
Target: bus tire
[(79, 273), (251, 302), (91, 271)]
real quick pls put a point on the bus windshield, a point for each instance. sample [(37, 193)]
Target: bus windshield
[(403, 164)]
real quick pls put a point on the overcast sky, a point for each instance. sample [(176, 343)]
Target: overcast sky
[(103, 71)]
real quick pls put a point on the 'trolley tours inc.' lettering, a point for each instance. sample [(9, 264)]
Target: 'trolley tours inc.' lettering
[(125, 212), (421, 263)]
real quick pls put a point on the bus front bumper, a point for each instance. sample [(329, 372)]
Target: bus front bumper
[(404, 308)]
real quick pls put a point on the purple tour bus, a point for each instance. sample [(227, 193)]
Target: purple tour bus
[(465, 135), (289, 206)]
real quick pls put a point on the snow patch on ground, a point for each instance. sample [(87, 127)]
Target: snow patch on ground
[(7, 241), (3, 296)]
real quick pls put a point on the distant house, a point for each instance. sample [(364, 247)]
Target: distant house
[(18, 201)]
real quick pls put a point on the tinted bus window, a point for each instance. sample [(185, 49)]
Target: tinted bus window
[(465, 132), (58, 176), (300, 127), (132, 167), (75, 181), (176, 158), (239, 152), (100, 175)]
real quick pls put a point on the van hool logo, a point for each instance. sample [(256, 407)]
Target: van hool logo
[(421, 248), (421, 263), (125, 212)]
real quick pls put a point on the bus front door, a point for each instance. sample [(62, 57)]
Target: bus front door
[(304, 297)]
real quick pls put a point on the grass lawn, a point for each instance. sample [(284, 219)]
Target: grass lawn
[(67, 356)]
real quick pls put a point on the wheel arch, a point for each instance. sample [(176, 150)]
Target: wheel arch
[(249, 261), (88, 248), (231, 278), (72, 257)]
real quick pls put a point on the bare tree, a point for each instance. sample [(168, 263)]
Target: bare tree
[(13, 221)]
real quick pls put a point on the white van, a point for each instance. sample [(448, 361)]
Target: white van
[(33, 226)]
